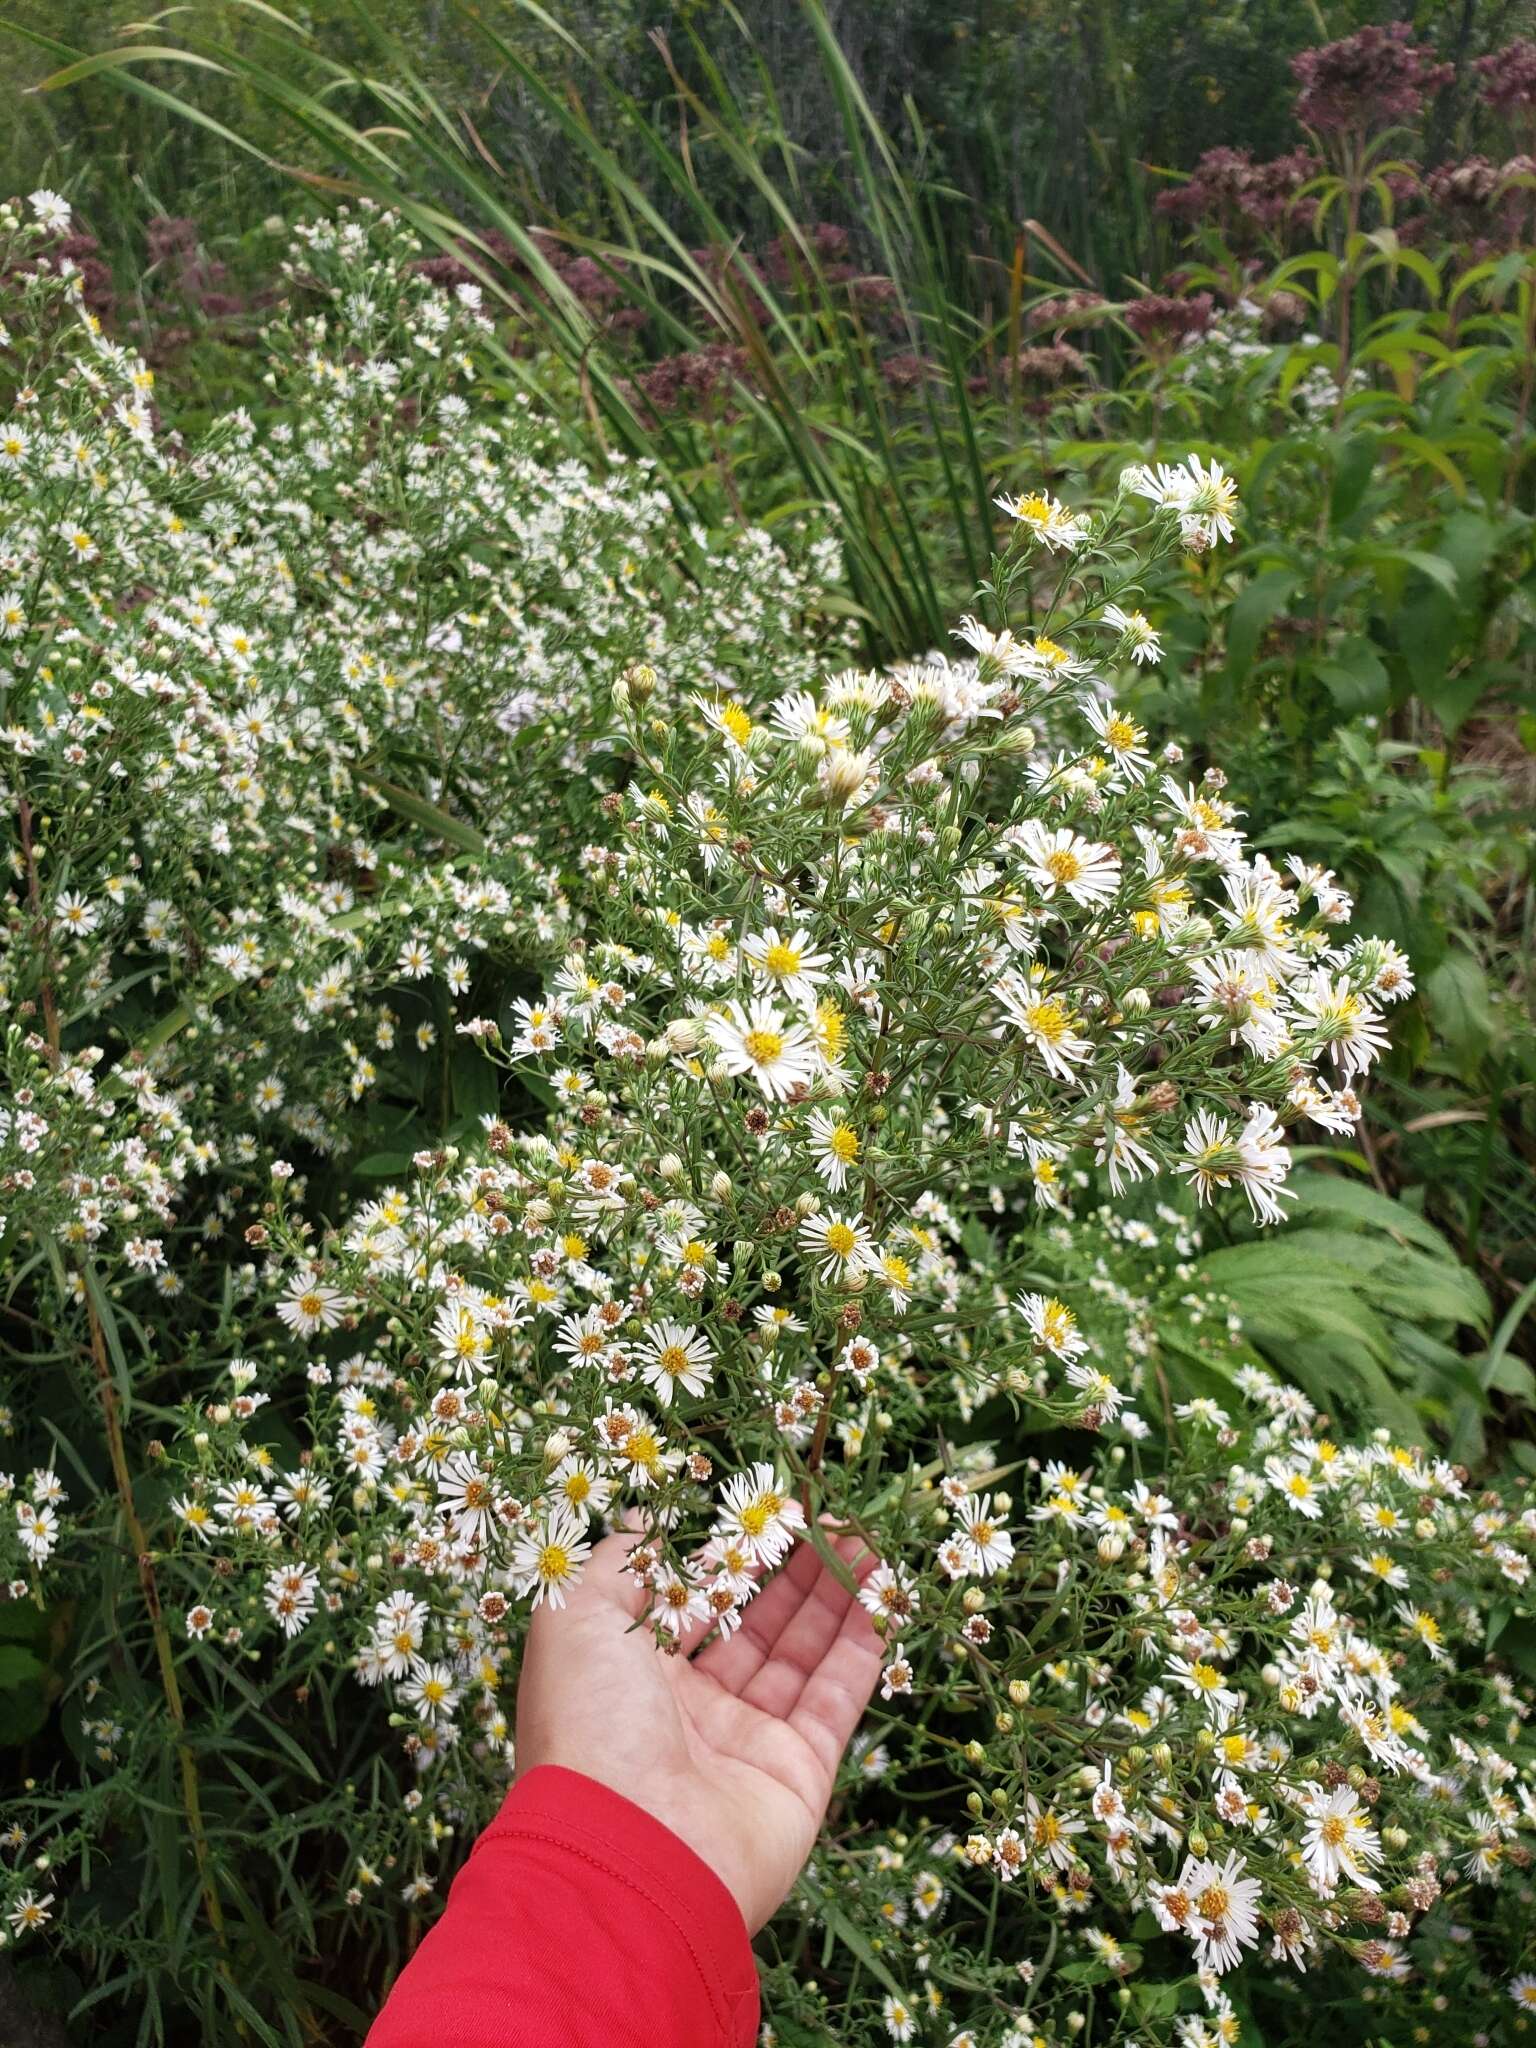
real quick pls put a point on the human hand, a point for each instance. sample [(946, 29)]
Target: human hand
[(733, 1748)]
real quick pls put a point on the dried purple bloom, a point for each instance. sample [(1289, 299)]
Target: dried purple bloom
[(697, 374), (1063, 310), (1510, 76), (169, 235), (1162, 323), (1369, 80), (592, 283), (1282, 312), (1049, 366), (1489, 206), (96, 287), (903, 372), (1232, 192)]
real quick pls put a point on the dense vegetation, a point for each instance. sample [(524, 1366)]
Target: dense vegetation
[(454, 659)]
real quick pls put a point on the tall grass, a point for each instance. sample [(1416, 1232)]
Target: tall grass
[(837, 435)]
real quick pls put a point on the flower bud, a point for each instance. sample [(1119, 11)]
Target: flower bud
[(1018, 1691), (1016, 739), (669, 1166), (682, 1034), (845, 775), (1136, 1002), (721, 1187), (639, 681)]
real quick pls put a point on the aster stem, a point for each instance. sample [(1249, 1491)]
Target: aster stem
[(191, 1797), (112, 1419)]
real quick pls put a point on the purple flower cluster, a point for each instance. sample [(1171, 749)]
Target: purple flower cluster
[(1509, 77), (1230, 190), (687, 380), (1366, 81), (1162, 324)]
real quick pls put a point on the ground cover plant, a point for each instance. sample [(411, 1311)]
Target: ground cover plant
[(511, 1021)]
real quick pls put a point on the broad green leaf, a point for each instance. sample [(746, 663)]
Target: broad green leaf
[(1356, 678), (1456, 993), (1251, 612), (1352, 467)]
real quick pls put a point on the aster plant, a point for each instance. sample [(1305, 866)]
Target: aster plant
[(777, 1078)]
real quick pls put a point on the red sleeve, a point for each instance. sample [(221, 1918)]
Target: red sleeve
[(578, 1922)]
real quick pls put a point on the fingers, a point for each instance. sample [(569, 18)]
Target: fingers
[(836, 1693), (732, 1659), (787, 1630)]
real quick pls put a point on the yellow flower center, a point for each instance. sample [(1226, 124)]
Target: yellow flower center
[(641, 1448), (1048, 1020)]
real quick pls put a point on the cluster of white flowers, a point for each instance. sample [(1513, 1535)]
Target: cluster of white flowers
[(1219, 360), (220, 666), (728, 1042)]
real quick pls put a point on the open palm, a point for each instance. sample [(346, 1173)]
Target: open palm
[(733, 1748)]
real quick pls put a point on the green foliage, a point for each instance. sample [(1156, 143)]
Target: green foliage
[(1364, 664)]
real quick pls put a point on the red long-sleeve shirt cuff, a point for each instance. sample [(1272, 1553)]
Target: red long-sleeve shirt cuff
[(578, 1920)]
